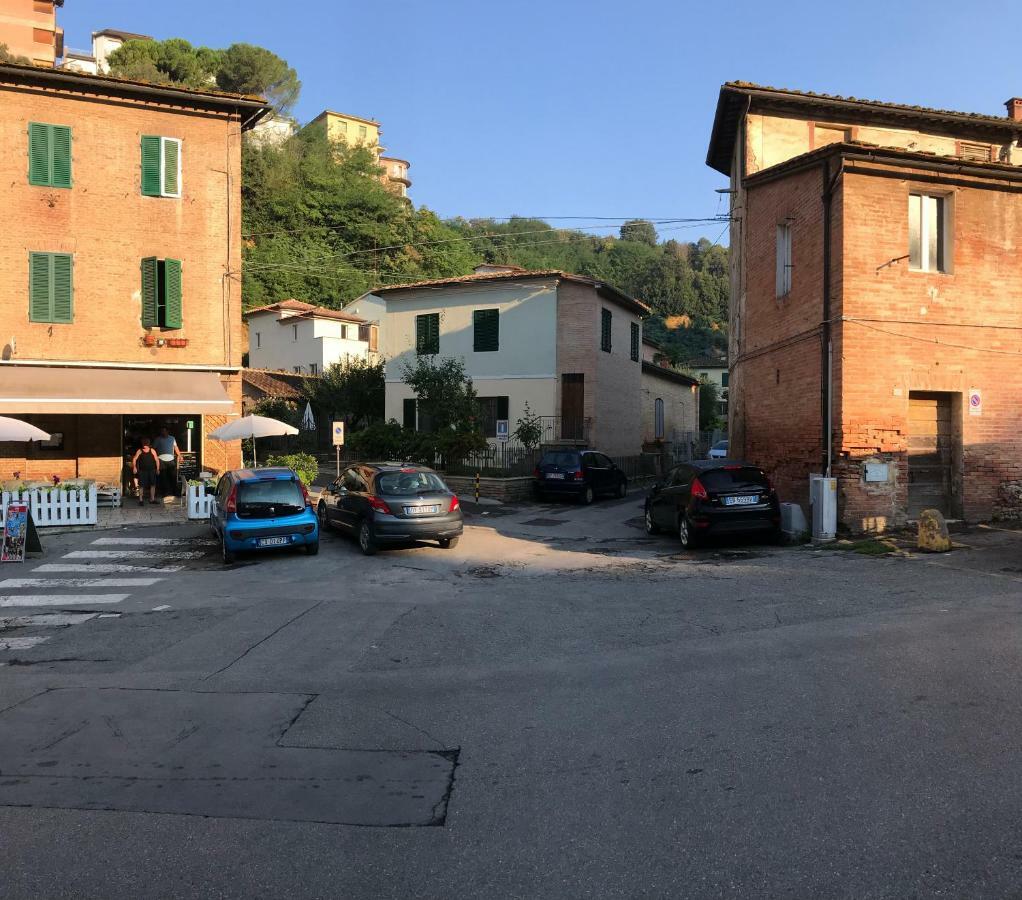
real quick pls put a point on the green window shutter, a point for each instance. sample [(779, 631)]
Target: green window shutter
[(60, 149), (502, 407), (38, 153), (61, 280), (605, 330), (408, 414), (427, 334), (150, 297), (434, 333), (172, 293), (150, 166), (486, 330), (171, 161), (635, 342), (40, 306)]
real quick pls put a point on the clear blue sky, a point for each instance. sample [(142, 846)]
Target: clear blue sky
[(585, 107)]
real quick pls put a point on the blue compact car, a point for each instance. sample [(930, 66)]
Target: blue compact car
[(263, 509)]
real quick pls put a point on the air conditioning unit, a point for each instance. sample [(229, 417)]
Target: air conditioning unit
[(823, 500)]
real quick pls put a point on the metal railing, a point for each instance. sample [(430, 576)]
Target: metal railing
[(562, 429)]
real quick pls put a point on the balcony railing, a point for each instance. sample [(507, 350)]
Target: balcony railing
[(565, 429)]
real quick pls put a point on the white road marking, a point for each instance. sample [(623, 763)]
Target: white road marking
[(60, 599), (99, 568), (46, 620), (160, 608), (134, 554), (153, 542), (22, 643), (78, 582)]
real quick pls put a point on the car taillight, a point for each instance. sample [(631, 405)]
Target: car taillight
[(379, 505), (698, 491), (535, 472), (305, 494), (577, 475), (231, 505), (454, 504)]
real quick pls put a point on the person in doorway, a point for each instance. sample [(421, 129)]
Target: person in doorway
[(170, 456), (145, 466)]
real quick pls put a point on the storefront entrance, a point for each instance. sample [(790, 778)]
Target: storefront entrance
[(186, 429)]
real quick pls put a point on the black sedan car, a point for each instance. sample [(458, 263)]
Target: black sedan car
[(392, 503), (713, 497), (580, 474)]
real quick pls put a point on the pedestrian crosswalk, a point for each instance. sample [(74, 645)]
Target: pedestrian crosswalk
[(72, 591)]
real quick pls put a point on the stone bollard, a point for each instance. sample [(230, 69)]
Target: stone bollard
[(933, 536)]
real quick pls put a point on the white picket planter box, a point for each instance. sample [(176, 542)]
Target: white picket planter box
[(57, 507), (198, 504)]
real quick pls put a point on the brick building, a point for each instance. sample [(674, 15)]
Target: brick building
[(876, 312), (120, 298)]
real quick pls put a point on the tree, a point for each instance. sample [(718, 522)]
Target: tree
[(709, 405), (353, 389), (447, 403), (639, 230), (247, 69), (7, 57)]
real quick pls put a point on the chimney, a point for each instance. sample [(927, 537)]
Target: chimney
[(1014, 106)]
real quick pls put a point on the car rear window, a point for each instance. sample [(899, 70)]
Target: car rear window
[(255, 497), (738, 479), (403, 484), (720, 445), (560, 458)]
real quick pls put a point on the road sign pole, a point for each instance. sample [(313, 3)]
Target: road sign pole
[(477, 488), (338, 460)]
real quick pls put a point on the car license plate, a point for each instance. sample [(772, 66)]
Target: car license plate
[(557, 475), (746, 500), (273, 542), (421, 510)]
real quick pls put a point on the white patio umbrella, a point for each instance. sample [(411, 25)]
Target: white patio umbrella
[(251, 427), (308, 420), (16, 430)]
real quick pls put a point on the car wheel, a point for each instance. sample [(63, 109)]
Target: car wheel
[(324, 522), (366, 538), (226, 554), (449, 543), (587, 495), (651, 526), (685, 533), (622, 488), (312, 549)]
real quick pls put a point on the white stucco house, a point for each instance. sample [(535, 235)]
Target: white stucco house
[(293, 336), (714, 370), (567, 345)]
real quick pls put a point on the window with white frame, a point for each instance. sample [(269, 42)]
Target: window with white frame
[(783, 259), (927, 233), (313, 368)]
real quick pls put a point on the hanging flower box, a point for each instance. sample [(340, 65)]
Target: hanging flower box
[(177, 342), (149, 340)]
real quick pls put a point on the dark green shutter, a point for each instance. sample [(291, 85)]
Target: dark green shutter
[(408, 414), (635, 342), (38, 153), (486, 330), (62, 287), (150, 299), (151, 166), (171, 149), (434, 333), (605, 320), (502, 408), (39, 305), (60, 148), (427, 333), (172, 293)]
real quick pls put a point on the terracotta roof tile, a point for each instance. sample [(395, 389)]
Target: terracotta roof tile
[(305, 310)]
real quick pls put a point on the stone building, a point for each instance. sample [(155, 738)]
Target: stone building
[(876, 310)]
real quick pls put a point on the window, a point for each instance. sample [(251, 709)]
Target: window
[(313, 368), (408, 413), (490, 410), (342, 128), (927, 233), (723, 379), (50, 287), (259, 340), (427, 334), (361, 132), (297, 370), (658, 419), (704, 376), (294, 332), (49, 155), (161, 293), (486, 330), (975, 152), (635, 341), (161, 166), (783, 260), (42, 36), (605, 324)]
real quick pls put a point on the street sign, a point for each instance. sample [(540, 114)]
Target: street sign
[(338, 433), (190, 423), (975, 402), (502, 429)]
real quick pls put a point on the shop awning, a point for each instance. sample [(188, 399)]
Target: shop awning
[(40, 389)]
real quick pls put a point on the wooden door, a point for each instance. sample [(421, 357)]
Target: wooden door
[(930, 453), (572, 407)]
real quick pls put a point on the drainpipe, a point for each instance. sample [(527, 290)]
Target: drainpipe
[(826, 344)]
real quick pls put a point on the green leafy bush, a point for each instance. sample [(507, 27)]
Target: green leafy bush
[(304, 464), (389, 440)]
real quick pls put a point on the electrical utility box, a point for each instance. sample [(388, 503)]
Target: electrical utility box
[(823, 500)]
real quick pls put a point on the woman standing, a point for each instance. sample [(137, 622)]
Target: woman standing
[(145, 465)]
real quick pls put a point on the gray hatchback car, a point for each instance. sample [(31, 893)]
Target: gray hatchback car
[(392, 503)]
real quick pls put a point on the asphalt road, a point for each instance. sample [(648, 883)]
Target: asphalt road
[(559, 707)]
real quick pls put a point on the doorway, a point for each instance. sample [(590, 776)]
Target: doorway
[(931, 453), (573, 407)]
